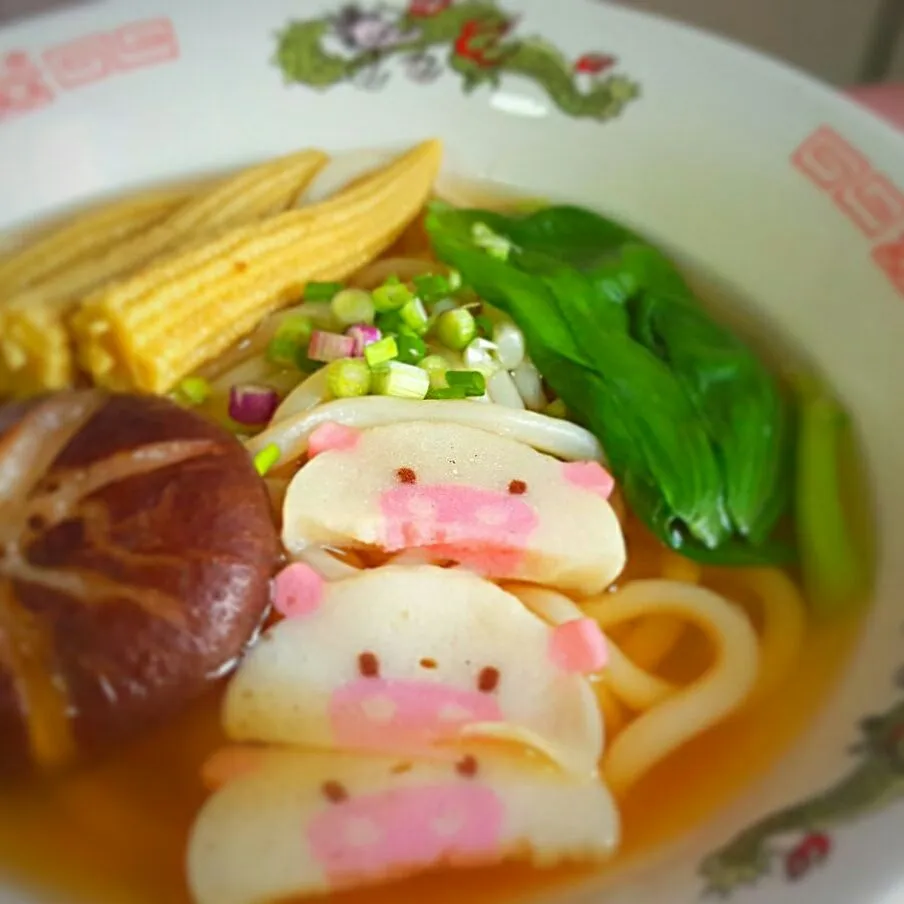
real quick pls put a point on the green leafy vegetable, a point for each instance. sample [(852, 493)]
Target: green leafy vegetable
[(738, 401), (614, 384), (834, 565), (694, 426)]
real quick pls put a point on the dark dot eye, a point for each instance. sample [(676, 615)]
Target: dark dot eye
[(369, 665), (467, 766), (488, 680), (517, 488), (406, 475), (428, 663), (36, 522), (334, 792)]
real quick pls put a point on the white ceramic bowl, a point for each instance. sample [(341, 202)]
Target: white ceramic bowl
[(773, 186)]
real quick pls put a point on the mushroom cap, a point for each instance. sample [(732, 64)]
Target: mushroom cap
[(137, 548)]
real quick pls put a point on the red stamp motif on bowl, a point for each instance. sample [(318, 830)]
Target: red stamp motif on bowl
[(22, 85), (94, 57), (26, 85), (867, 197), (890, 258)]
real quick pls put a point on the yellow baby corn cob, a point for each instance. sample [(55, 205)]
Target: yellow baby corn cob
[(35, 348), (63, 246), (150, 331), (245, 197)]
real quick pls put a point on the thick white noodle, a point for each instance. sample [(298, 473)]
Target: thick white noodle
[(551, 435), (632, 685), (307, 395), (692, 709), (326, 565)]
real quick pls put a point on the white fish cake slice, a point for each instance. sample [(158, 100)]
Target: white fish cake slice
[(301, 823), (496, 505), (413, 659)]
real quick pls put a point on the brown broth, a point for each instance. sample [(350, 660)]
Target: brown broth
[(116, 833)]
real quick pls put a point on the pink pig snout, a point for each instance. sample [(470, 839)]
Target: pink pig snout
[(378, 835), (483, 528), (382, 714)]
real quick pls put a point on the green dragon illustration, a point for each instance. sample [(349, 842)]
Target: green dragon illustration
[(476, 31), (876, 781)]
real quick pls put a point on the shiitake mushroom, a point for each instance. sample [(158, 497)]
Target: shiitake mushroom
[(136, 548)]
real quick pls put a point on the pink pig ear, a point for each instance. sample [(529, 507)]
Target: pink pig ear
[(578, 646), (332, 436), (590, 476), (297, 591)]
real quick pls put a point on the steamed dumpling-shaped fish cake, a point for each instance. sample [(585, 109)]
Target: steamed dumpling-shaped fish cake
[(407, 659), (302, 823), (493, 504)]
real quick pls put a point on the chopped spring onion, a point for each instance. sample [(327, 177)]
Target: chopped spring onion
[(509, 344), (414, 316), (194, 390), (266, 458), (456, 329), (471, 381), (330, 346), (251, 404), (391, 296), (436, 367), (447, 392), (352, 306), (502, 390), (348, 378), (401, 381), (364, 334), (495, 245), (321, 291), (432, 287), (454, 280), (479, 356), (290, 340), (530, 385), (411, 349), (378, 353), (389, 322)]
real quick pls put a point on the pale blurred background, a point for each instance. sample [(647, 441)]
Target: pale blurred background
[(844, 42)]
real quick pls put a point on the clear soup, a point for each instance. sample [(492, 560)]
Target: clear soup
[(117, 832)]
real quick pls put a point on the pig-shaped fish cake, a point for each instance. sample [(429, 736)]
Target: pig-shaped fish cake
[(301, 823), (458, 493), (413, 660)]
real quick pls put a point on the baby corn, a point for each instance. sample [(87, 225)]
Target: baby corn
[(87, 235), (29, 364), (149, 331)]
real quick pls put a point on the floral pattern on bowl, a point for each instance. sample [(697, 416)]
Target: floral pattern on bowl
[(359, 44)]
